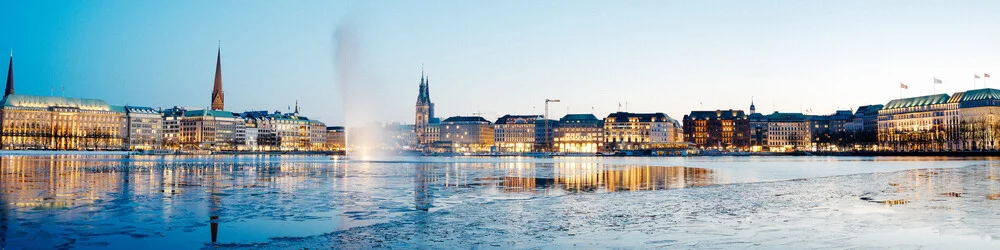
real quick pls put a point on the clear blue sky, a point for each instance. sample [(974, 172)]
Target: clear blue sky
[(362, 59)]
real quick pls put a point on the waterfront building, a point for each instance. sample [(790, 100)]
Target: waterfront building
[(57, 123), (336, 138), (819, 132), (863, 128), (396, 136), (515, 133), (787, 132), (625, 131), (262, 124), (758, 129), (317, 135), (172, 127), (920, 124), (250, 138), (980, 126), (579, 133), (720, 129), (144, 128), (544, 129), (467, 134), (426, 126), (208, 129)]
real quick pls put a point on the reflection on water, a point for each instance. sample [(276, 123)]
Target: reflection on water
[(101, 201), (592, 178)]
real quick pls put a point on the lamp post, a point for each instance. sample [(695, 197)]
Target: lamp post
[(546, 117)]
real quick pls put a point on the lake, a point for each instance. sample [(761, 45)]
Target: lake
[(115, 201)]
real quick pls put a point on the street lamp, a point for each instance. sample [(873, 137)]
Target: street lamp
[(546, 117)]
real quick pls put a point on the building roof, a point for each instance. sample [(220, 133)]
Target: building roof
[(466, 119), (869, 109), (979, 94), (32, 101), (579, 118), (917, 101), (209, 112), (715, 115), (140, 110), (784, 117), (647, 117), (758, 117), (511, 119)]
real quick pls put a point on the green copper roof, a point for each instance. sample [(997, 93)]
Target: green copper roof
[(206, 112), (980, 94), (31, 101), (917, 101)]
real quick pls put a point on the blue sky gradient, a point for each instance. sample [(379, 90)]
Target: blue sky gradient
[(362, 59)]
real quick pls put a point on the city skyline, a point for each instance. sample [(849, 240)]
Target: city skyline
[(649, 56)]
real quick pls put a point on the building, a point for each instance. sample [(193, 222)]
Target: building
[(920, 124), (57, 123), (317, 135), (426, 125), (544, 131), (467, 134), (213, 130), (515, 133), (336, 139), (819, 133), (144, 128), (979, 112), (720, 129), (396, 136), (579, 133), (787, 132), (863, 129), (631, 131), (758, 130), (172, 127)]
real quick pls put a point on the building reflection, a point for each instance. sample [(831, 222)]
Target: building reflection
[(166, 187), (423, 199), (596, 177)]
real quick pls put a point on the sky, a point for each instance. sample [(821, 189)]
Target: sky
[(354, 62)]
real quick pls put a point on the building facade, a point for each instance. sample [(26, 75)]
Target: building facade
[(625, 131), (336, 138), (515, 133), (467, 134), (144, 128), (920, 124), (59, 123), (579, 133), (787, 132), (720, 129)]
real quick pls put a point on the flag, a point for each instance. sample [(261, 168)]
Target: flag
[(903, 86), (986, 75), (937, 81), (977, 76)]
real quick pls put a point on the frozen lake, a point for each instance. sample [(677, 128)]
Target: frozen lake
[(116, 201)]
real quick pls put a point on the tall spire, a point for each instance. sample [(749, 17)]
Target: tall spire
[(218, 97), (10, 76), (296, 107)]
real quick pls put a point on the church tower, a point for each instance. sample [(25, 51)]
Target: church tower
[(218, 98), (753, 109), (10, 77), (424, 110)]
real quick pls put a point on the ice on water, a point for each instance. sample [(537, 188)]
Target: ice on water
[(115, 201)]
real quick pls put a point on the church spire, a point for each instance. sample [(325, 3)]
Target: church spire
[(218, 97), (296, 107), (10, 76)]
